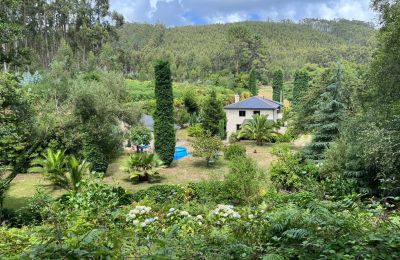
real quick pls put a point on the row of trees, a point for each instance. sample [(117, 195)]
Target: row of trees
[(36, 27), (353, 114)]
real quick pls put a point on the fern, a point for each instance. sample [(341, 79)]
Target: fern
[(296, 233), (272, 257)]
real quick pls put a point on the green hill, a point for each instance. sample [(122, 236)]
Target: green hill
[(198, 51)]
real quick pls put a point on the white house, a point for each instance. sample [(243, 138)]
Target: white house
[(240, 111)]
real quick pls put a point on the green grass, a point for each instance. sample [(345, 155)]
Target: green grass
[(186, 170)]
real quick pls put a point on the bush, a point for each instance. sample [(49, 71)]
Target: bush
[(210, 191), (143, 166), (182, 117), (208, 147), (195, 130), (244, 180), (234, 150), (160, 193), (286, 171), (285, 138), (140, 135)]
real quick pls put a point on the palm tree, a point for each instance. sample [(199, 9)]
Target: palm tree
[(53, 166), (76, 171), (142, 166), (63, 171), (259, 128)]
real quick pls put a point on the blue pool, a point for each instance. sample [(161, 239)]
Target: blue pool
[(180, 152)]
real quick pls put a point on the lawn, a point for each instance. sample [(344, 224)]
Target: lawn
[(185, 170)]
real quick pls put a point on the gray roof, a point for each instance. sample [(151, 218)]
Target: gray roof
[(148, 121), (255, 103)]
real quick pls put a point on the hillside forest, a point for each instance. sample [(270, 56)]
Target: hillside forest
[(84, 173)]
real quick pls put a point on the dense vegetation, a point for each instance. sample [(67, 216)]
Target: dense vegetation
[(335, 198), (220, 51)]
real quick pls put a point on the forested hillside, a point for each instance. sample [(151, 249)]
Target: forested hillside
[(198, 51)]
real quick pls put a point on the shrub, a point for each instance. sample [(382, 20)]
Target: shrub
[(160, 193), (63, 171), (140, 135), (195, 130), (182, 117), (286, 172), (244, 180), (210, 191), (234, 150), (208, 147), (143, 166)]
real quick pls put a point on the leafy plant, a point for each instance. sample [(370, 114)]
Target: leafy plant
[(53, 167), (182, 117), (195, 130), (244, 180), (207, 146), (140, 135), (76, 172), (259, 128), (286, 172), (63, 171), (234, 150), (143, 166)]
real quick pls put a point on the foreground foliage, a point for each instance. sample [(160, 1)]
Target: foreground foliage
[(294, 225)]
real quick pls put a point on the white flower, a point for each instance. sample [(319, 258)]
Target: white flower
[(199, 217), (171, 210), (184, 213), (143, 224), (135, 222)]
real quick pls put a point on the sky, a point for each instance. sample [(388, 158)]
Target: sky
[(190, 12)]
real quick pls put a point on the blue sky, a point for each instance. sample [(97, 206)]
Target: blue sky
[(188, 12)]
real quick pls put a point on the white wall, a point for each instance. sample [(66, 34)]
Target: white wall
[(234, 119)]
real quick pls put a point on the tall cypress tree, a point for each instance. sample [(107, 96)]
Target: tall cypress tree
[(327, 117), (213, 115), (300, 86), (277, 85), (253, 82), (164, 131)]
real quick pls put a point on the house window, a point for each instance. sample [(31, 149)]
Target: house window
[(256, 112), (238, 127), (242, 113)]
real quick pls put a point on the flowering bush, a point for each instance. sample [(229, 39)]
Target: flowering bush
[(139, 216), (186, 222), (224, 213)]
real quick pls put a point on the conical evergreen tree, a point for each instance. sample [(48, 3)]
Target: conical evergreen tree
[(213, 114), (277, 85), (253, 82), (300, 86), (327, 118), (164, 131)]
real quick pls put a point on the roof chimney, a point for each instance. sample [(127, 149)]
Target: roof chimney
[(237, 97)]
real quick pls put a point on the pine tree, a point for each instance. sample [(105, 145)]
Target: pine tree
[(277, 85), (164, 131), (213, 114), (327, 118), (300, 86), (253, 82)]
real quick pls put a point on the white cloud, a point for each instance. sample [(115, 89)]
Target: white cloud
[(230, 18), (178, 12)]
